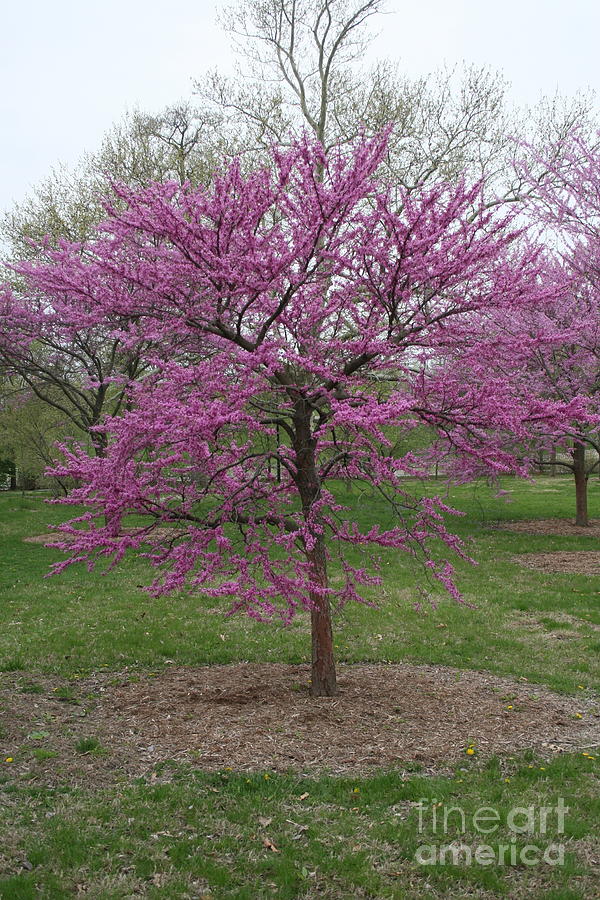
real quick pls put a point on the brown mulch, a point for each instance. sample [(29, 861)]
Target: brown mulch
[(572, 562), (259, 717), (560, 527), (584, 562), (51, 536), (47, 538)]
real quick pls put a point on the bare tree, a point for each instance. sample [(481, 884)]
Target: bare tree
[(300, 69), (181, 143)]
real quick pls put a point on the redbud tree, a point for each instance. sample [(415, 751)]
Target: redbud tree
[(567, 366), (544, 352), (565, 202), (292, 318)]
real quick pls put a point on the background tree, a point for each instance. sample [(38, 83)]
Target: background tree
[(301, 68), (179, 143), (566, 204), (58, 353), (550, 350), (29, 431), (571, 368)]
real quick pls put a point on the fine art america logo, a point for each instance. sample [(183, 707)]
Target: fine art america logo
[(525, 825)]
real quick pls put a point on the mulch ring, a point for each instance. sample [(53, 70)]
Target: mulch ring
[(259, 717), (51, 536), (572, 562), (45, 539), (560, 527), (584, 562)]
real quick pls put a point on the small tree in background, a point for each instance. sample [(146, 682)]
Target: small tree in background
[(29, 433), (570, 368), (549, 350), (566, 204)]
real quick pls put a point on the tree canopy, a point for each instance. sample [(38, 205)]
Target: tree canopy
[(288, 316)]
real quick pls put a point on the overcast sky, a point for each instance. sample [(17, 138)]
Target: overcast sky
[(71, 68)]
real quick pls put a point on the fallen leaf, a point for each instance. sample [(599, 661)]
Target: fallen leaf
[(270, 845), (303, 796), (264, 822)]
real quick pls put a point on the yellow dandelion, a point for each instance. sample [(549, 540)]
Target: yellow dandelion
[(356, 791), (9, 759), (509, 707), (469, 751), (578, 716)]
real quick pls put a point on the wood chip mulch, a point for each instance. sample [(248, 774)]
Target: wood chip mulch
[(259, 717), (559, 527), (572, 562), (583, 562)]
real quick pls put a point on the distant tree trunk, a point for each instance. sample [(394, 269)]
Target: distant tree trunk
[(323, 683), (553, 462), (581, 480)]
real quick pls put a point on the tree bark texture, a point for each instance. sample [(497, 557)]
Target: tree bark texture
[(323, 682), (581, 483)]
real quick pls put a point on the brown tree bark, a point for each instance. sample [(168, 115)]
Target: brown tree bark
[(323, 675), (581, 483)]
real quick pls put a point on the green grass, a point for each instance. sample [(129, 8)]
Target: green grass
[(78, 622), (89, 745), (180, 832)]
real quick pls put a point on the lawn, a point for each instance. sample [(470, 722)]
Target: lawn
[(178, 830)]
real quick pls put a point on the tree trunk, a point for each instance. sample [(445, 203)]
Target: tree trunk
[(553, 462), (323, 683), (581, 480)]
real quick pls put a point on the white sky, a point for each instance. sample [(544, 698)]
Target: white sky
[(70, 68)]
